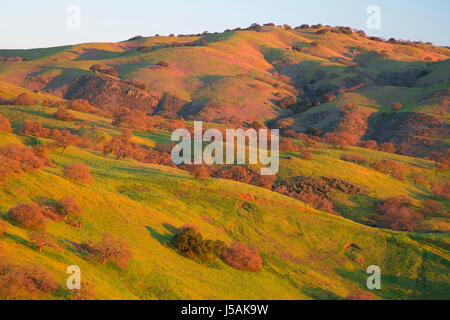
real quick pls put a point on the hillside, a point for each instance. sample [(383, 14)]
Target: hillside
[(306, 223)]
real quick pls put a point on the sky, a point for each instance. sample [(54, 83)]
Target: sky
[(28, 24)]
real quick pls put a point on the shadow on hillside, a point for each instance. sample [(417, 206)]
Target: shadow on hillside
[(162, 238)]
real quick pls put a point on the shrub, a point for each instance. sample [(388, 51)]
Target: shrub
[(25, 99), (34, 128), (396, 106), (370, 144), (354, 157), (28, 216), (337, 140), (78, 172), (64, 115), (241, 257), (21, 158), (4, 226), (201, 172), (163, 64), (441, 190), (387, 147), (5, 125), (398, 214), (430, 206), (306, 155), (67, 206), (418, 178), (263, 181), (43, 239), (359, 294), (22, 282), (391, 168), (112, 249)]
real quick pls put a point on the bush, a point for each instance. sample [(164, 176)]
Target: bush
[(430, 206), (359, 294), (25, 99), (112, 249), (263, 181), (391, 168), (4, 226), (441, 190), (24, 282), (370, 144), (28, 216), (67, 206), (64, 115), (78, 172), (34, 128), (398, 214), (201, 172), (5, 125), (396, 106), (387, 147), (163, 64), (43, 239), (241, 257), (354, 157)]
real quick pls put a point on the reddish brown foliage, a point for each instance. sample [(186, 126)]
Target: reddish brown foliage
[(78, 172), (338, 140), (430, 206), (263, 181), (396, 106), (387, 147), (241, 257), (17, 158), (67, 206), (25, 99), (43, 239), (28, 216), (201, 172), (24, 282), (398, 214), (370, 144), (112, 249), (64, 115), (5, 126), (34, 128), (359, 294), (441, 190)]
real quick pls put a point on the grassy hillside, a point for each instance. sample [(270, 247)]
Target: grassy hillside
[(303, 249)]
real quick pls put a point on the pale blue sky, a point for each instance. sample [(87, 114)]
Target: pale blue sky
[(33, 23)]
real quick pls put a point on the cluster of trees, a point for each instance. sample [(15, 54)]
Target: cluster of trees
[(109, 249), (189, 241), (17, 158), (354, 157), (62, 138), (391, 168), (108, 70), (24, 282), (78, 172), (5, 125)]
